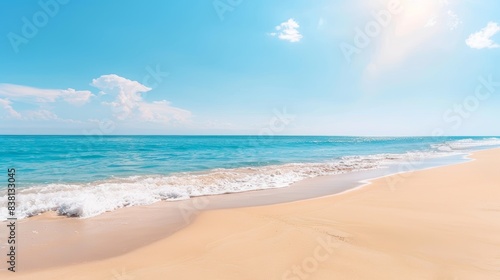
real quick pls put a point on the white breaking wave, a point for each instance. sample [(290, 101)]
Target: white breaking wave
[(92, 199), (465, 144)]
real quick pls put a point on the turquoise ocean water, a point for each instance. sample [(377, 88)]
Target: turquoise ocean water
[(88, 175)]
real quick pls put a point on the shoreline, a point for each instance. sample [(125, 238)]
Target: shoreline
[(94, 228), (65, 197), (165, 218)]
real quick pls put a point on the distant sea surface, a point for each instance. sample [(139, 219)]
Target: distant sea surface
[(87, 175)]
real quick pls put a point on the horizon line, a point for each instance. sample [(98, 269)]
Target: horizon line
[(252, 135)]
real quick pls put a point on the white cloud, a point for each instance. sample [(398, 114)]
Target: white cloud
[(431, 22), (33, 115), (7, 106), (76, 97), (128, 93), (288, 31), (130, 104), (453, 20), (441, 14), (40, 96), (162, 111), (112, 81), (19, 92), (482, 38)]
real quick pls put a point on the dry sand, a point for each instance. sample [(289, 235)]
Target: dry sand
[(441, 223)]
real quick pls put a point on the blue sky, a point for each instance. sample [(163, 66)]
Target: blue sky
[(383, 67)]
